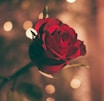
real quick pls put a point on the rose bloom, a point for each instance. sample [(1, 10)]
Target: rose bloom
[(55, 45)]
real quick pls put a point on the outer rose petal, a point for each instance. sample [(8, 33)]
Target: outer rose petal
[(52, 69), (80, 49), (40, 23), (52, 22)]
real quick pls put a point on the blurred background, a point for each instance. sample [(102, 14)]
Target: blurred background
[(75, 84)]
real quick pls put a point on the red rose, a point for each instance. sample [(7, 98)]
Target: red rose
[(55, 45)]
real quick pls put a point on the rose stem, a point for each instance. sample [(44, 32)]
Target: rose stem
[(16, 74)]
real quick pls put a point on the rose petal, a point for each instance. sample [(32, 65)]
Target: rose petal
[(52, 69), (40, 23), (80, 49), (52, 22)]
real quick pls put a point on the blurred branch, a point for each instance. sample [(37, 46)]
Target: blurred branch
[(15, 75)]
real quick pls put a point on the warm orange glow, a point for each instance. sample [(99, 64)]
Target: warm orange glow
[(50, 89), (25, 4), (8, 26), (27, 24)]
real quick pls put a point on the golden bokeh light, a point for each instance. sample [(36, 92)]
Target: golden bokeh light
[(75, 83), (27, 24), (8, 26), (50, 89), (40, 15), (50, 99), (70, 1), (25, 4)]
